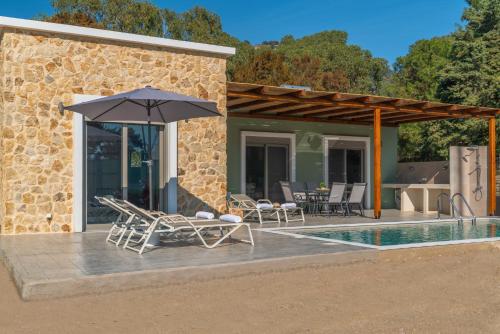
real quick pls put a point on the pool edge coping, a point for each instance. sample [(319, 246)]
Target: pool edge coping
[(282, 231)]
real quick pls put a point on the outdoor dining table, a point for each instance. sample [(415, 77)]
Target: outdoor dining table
[(320, 195)]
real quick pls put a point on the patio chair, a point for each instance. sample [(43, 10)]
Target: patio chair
[(336, 198), (356, 199), (172, 226), (300, 194), (261, 211), (313, 197), (290, 207), (123, 222)]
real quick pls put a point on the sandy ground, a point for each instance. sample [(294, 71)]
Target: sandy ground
[(454, 289)]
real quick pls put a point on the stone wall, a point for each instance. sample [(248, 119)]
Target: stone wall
[(41, 70)]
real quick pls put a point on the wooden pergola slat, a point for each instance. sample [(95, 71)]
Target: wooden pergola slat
[(302, 119)]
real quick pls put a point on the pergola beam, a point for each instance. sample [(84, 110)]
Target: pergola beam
[(278, 107), (299, 109), (247, 104), (385, 115), (297, 119), (415, 118), (336, 112)]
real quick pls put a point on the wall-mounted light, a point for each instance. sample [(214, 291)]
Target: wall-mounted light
[(61, 108)]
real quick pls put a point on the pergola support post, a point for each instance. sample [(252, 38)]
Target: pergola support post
[(377, 161), (492, 168)]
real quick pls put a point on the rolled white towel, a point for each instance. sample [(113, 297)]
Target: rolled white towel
[(264, 206), (231, 218), (204, 215), (288, 205)]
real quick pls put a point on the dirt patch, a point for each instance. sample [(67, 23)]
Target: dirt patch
[(452, 289)]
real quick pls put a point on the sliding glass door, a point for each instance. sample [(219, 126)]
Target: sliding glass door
[(104, 169), (345, 165), (115, 166), (266, 165), (137, 169)]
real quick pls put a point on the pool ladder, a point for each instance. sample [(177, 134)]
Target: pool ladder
[(454, 209)]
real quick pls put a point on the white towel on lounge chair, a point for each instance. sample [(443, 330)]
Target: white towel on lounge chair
[(231, 218), (288, 205), (264, 206), (204, 215)]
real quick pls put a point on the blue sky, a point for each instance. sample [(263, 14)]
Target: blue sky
[(385, 27)]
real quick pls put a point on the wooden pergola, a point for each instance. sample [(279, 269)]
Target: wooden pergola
[(295, 104)]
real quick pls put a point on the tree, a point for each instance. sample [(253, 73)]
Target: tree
[(461, 68), (306, 71), (77, 19), (266, 67), (473, 74), (363, 72), (416, 75), (200, 25), (132, 16)]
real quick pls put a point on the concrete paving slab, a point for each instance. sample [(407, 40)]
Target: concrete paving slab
[(61, 265)]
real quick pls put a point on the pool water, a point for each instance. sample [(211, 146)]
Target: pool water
[(415, 233)]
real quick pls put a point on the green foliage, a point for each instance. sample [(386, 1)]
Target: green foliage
[(322, 61), (266, 67), (417, 74), (473, 74), (200, 25), (430, 141), (462, 68), (347, 67), (133, 16)]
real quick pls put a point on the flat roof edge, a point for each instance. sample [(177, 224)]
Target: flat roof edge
[(65, 29)]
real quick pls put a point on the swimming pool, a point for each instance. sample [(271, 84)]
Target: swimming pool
[(394, 235)]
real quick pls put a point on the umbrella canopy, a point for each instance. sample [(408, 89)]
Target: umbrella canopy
[(145, 104), (133, 106)]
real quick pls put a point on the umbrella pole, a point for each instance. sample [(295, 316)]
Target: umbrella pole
[(150, 159)]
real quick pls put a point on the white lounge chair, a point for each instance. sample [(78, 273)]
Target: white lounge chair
[(261, 211), (123, 223), (184, 228)]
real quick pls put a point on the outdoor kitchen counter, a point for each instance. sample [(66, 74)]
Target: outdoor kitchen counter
[(420, 196)]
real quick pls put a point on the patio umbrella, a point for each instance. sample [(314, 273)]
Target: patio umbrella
[(145, 104)]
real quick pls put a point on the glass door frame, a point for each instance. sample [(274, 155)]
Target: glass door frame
[(266, 163), (291, 154), (366, 159), (163, 161), (344, 157)]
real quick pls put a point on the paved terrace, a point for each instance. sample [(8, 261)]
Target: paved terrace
[(60, 265)]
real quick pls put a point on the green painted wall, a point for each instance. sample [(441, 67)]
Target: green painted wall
[(309, 149)]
